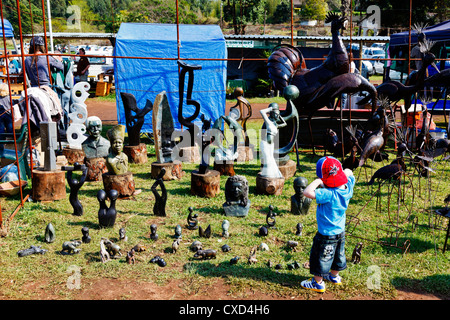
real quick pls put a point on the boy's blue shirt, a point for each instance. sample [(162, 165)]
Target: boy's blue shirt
[(332, 204)]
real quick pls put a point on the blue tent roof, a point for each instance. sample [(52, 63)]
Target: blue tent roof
[(145, 78), (7, 27), (438, 32)]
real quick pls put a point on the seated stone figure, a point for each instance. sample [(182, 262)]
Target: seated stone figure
[(299, 203), (95, 146), (117, 161)]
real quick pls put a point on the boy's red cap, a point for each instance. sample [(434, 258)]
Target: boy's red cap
[(329, 169)]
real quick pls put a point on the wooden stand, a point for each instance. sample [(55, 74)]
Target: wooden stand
[(123, 183), (288, 169), (190, 154), (74, 155), (48, 185), (205, 185), (269, 186), (225, 169), (136, 154), (96, 168), (174, 170)]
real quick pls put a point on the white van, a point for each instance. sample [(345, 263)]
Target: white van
[(100, 62)]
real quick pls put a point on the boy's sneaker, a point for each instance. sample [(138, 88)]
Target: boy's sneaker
[(311, 284), (333, 279)]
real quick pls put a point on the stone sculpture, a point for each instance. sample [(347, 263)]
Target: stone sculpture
[(271, 217), (49, 144), (196, 245), (225, 228), (77, 115), (134, 117), (175, 245), (130, 257), (107, 215), (153, 234), (226, 248), (356, 255), (31, 250), (104, 254), (75, 186), (192, 221), (95, 146), (299, 229), (270, 180), (237, 203), (206, 233), (177, 234), (299, 203), (159, 208), (70, 247), (123, 235), (113, 249), (206, 254), (96, 149), (117, 160), (49, 233), (86, 238)]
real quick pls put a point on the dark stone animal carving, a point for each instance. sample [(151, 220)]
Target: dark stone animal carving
[(70, 247), (206, 254), (31, 250), (356, 255)]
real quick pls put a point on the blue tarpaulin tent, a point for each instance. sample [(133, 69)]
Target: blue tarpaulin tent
[(437, 33), (7, 27), (145, 78)]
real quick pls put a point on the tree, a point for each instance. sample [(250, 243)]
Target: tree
[(282, 12), (30, 22), (243, 12), (314, 9)]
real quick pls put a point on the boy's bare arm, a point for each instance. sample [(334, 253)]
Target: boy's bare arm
[(310, 190)]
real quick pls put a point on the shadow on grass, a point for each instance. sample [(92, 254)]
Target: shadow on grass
[(226, 269), (437, 284)]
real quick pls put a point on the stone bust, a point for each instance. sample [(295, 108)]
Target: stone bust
[(117, 160), (236, 195), (95, 146), (299, 203)]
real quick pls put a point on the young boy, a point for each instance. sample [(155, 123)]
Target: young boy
[(327, 255)]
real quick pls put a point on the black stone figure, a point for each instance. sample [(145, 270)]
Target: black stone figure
[(270, 217), (49, 233), (86, 237), (107, 215), (31, 250), (159, 209), (299, 203), (177, 234), (192, 221), (187, 121), (236, 195), (134, 122), (75, 186), (123, 235), (263, 231), (356, 255), (299, 229), (204, 233), (206, 142), (153, 234)]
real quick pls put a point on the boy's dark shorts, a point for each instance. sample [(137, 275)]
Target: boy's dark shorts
[(327, 253)]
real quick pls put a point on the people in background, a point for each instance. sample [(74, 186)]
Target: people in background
[(82, 67), (36, 67), (13, 65), (6, 122)]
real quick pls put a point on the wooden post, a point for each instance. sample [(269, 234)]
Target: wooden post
[(205, 185), (48, 185)]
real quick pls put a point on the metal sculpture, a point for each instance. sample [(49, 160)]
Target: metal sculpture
[(187, 121)]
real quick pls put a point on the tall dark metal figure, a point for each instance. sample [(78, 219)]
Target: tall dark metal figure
[(75, 186), (159, 209), (187, 121), (136, 121)]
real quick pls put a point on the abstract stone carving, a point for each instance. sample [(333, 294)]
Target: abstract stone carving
[(192, 221), (134, 117), (77, 115), (49, 144), (159, 208), (163, 129), (75, 186), (49, 233), (107, 215)]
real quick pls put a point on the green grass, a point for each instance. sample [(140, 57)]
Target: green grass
[(423, 268)]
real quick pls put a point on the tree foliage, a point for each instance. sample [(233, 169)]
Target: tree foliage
[(314, 9), (243, 12)]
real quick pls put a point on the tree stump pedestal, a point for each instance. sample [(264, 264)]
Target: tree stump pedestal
[(269, 186), (205, 185), (96, 168), (123, 183), (288, 169), (136, 154), (74, 155), (48, 185), (225, 168), (174, 170), (189, 154)]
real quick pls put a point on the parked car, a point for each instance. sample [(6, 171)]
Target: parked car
[(368, 53), (99, 63), (378, 65)]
